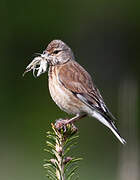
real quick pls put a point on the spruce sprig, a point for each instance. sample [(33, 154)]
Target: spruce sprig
[(59, 144)]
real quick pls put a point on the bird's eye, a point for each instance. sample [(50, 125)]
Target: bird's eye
[(56, 51)]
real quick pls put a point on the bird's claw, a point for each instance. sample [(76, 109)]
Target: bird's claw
[(66, 126), (61, 124)]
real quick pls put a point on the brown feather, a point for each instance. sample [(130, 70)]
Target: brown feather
[(76, 79)]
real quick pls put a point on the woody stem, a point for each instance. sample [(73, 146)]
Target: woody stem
[(59, 155)]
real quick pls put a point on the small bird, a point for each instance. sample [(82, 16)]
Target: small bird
[(72, 89)]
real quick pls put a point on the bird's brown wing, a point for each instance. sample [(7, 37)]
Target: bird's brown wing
[(76, 79)]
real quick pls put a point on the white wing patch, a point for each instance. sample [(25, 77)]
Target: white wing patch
[(83, 99)]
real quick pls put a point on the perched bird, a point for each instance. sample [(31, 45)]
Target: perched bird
[(72, 89)]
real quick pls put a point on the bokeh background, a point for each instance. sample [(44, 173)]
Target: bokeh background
[(104, 36)]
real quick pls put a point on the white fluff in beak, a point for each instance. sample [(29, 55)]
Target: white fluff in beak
[(38, 64)]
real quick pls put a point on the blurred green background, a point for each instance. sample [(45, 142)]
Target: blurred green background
[(104, 36)]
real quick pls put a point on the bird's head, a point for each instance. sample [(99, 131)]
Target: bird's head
[(57, 52)]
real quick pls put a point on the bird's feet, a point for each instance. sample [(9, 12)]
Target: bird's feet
[(61, 123), (64, 124)]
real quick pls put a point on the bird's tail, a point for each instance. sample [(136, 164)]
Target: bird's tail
[(110, 125)]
